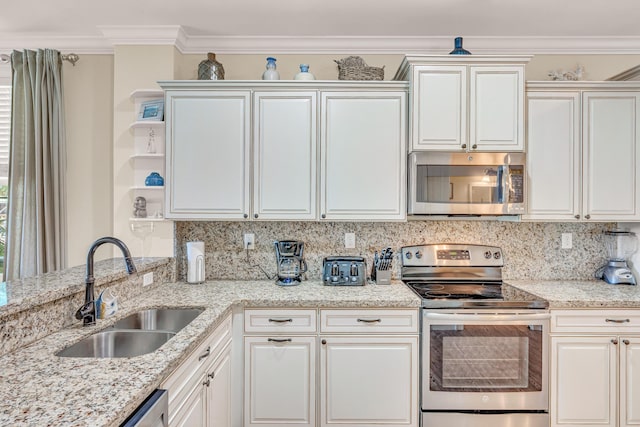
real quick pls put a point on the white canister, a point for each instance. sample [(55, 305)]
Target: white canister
[(195, 262)]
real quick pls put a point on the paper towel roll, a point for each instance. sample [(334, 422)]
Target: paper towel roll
[(195, 262)]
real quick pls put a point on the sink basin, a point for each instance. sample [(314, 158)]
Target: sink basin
[(114, 343), (159, 319)]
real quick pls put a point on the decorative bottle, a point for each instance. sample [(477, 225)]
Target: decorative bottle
[(271, 73), (458, 49), (210, 69), (304, 73)]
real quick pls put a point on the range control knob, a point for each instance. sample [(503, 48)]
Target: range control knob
[(353, 270), (408, 255), (418, 254), (496, 255), (334, 269), (487, 255)]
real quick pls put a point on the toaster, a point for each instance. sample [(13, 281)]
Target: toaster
[(344, 271)]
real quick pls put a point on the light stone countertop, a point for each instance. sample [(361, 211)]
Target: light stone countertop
[(38, 388), (586, 294)]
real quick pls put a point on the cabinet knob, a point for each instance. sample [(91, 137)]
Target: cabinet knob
[(206, 383), (587, 216), (464, 145), (246, 215), (323, 216), (626, 342), (474, 146), (323, 342), (255, 215), (614, 341), (577, 217)]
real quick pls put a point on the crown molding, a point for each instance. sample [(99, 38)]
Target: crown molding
[(176, 36)]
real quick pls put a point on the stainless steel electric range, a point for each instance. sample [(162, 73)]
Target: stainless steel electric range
[(484, 358)]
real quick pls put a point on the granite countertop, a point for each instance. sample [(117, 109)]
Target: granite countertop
[(586, 294), (38, 388)]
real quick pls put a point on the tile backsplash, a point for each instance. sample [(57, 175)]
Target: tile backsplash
[(531, 250)]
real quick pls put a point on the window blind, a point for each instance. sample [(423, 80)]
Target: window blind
[(5, 125)]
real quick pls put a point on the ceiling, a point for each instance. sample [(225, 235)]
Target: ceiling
[(397, 24)]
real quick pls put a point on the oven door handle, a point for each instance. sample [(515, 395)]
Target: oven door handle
[(501, 317)]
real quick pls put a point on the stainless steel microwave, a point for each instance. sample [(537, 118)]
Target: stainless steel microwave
[(466, 183)]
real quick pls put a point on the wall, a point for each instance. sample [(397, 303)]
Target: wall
[(531, 250), (88, 96)]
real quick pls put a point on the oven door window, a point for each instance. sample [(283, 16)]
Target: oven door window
[(459, 184), (485, 358)]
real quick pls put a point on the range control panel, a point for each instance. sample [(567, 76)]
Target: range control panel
[(435, 255), (344, 271)]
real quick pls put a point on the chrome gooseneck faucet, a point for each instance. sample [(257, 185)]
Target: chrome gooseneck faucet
[(88, 311)]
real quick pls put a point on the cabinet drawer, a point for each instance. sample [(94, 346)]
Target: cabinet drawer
[(184, 379), (274, 321), (595, 321), (369, 321)]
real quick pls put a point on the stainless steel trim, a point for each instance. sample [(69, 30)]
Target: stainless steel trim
[(457, 419), (498, 318), (154, 412), (486, 304)]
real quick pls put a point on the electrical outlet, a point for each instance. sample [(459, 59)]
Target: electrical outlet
[(147, 279), (567, 240), (249, 241), (349, 240)]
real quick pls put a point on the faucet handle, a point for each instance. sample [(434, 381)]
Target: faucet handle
[(87, 313)]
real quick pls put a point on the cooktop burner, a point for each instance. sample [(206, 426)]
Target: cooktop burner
[(458, 290)]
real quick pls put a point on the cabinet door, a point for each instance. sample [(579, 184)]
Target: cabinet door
[(369, 381), (583, 381), (496, 108), (219, 391), (192, 414), (611, 132), (439, 120), (363, 151), (553, 155), (279, 381), (630, 381), (207, 154), (285, 155)]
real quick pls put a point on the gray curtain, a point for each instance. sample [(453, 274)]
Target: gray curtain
[(36, 217)]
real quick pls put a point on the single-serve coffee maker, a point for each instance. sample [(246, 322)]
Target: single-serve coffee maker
[(291, 264)]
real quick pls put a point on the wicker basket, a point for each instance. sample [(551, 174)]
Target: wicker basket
[(354, 68)]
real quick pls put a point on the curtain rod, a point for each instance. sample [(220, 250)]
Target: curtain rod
[(71, 57)]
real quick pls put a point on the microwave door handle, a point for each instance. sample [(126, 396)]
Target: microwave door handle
[(501, 180)]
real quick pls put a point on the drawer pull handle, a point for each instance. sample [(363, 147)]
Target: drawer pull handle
[(618, 320), (370, 320), (626, 342), (279, 339), (204, 355), (614, 341), (280, 320)]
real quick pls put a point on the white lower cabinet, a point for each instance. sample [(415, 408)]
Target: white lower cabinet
[(280, 381), (359, 369), (368, 380), (595, 376), (200, 389)]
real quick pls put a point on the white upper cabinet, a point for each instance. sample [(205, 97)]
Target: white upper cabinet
[(467, 103), (611, 129), (207, 158), (250, 150), (363, 155), (284, 155), (582, 151)]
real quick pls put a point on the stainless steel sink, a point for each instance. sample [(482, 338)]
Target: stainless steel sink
[(159, 319), (117, 343)]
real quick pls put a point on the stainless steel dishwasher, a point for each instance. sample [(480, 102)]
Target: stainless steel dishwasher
[(154, 412)]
